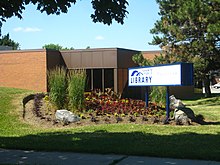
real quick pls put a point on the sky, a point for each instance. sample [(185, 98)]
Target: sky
[(76, 29)]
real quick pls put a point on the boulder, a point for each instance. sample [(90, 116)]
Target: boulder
[(66, 116), (189, 113), (175, 103), (180, 117), (184, 116)]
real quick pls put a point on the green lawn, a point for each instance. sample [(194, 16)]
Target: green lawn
[(193, 142), (208, 107)]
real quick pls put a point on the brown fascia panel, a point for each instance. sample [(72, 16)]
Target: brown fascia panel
[(54, 58), (103, 57), (124, 58), (90, 58)]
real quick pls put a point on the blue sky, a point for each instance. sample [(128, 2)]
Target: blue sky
[(76, 29)]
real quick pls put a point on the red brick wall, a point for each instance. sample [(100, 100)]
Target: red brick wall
[(23, 69), (151, 54)]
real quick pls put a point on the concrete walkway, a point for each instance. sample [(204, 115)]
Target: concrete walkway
[(66, 158)]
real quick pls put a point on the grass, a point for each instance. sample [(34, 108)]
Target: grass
[(76, 86), (57, 86), (208, 107), (192, 142)]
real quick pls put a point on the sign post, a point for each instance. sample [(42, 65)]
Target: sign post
[(167, 104), (176, 74), (147, 96)]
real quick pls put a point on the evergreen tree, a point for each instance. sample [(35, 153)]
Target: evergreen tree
[(189, 31)]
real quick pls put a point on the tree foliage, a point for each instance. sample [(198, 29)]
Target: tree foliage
[(0, 28), (157, 93), (189, 31), (56, 47), (6, 41), (104, 10), (108, 10)]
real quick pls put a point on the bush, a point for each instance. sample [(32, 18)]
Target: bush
[(76, 87), (158, 95), (57, 86)]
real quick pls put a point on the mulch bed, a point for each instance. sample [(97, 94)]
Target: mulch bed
[(47, 120)]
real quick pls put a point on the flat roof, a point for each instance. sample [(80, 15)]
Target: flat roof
[(78, 50), (97, 49), (19, 51)]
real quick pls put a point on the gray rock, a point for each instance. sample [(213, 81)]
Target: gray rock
[(66, 116), (184, 116), (189, 113), (175, 103), (180, 117)]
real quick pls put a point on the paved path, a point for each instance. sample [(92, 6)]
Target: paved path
[(66, 158)]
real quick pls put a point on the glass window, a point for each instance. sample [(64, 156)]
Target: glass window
[(109, 78), (97, 79)]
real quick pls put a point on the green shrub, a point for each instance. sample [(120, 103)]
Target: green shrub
[(57, 86), (158, 95), (76, 88)]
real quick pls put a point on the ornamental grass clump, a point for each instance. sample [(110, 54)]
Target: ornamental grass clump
[(57, 86), (158, 95), (76, 88)]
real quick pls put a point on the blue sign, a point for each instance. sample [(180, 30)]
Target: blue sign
[(178, 74)]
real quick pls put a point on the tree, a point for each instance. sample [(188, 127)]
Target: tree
[(6, 41), (189, 31), (56, 47), (0, 28), (104, 10), (157, 93)]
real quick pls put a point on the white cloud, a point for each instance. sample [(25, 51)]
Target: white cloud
[(18, 29), (99, 38), (32, 29), (27, 29)]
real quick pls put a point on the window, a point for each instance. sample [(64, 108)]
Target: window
[(109, 78), (99, 79)]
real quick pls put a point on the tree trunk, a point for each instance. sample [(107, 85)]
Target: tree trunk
[(207, 86)]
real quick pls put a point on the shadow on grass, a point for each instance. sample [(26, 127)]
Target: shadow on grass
[(210, 123), (200, 120), (184, 145)]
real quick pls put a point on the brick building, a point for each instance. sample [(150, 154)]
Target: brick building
[(27, 69), (105, 68)]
